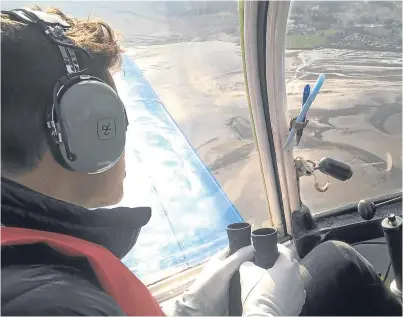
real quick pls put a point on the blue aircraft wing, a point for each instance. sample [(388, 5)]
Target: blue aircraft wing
[(190, 210)]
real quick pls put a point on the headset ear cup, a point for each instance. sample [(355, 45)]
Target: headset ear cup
[(92, 121)]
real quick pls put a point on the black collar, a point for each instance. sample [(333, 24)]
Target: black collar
[(116, 229)]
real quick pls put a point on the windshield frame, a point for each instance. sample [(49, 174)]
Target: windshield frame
[(276, 29)]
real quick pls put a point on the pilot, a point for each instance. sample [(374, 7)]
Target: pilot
[(61, 250)]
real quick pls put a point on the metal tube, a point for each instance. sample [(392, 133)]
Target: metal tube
[(239, 236), (265, 244)]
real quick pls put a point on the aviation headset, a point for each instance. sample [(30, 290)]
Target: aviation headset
[(86, 123)]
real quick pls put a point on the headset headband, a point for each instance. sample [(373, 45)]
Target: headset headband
[(54, 27)]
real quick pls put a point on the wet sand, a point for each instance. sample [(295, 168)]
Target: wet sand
[(356, 117)]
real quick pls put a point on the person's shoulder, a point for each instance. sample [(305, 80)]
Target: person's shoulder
[(45, 290)]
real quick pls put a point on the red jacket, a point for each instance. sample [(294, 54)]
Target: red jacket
[(114, 277)]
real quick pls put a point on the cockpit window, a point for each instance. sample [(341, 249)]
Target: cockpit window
[(357, 116)]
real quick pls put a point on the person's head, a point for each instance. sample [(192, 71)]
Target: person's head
[(30, 66)]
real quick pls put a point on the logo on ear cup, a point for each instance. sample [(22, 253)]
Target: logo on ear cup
[(106, 129)]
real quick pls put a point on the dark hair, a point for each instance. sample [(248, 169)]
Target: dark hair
[(30, 66)]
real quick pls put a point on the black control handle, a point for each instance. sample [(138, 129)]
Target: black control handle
[(264, 242), (336, 169), (367, 209), (239, 236), (392, 230)]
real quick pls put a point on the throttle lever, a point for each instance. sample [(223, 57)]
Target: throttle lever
[(367, 209)]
